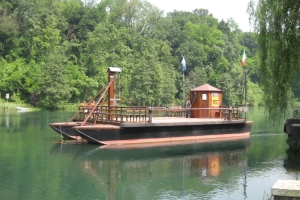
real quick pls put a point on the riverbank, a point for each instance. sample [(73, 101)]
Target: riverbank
[(8, 107)]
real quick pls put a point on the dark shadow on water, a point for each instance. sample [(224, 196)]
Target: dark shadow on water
[(292, 162)]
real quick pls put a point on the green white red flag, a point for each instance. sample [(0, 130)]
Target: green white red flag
[(244, 59)]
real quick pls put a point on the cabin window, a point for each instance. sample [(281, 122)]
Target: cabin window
[(204, 96)]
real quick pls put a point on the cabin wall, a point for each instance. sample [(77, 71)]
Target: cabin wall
[(206, 99)]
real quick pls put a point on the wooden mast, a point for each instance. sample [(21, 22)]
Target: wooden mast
[(112, 78)]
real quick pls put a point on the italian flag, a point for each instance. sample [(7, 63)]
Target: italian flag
[(244, 59)]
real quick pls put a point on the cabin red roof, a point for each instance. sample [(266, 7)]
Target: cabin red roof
[(206, 87)]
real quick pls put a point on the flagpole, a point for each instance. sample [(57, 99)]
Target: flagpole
[(245, 86), (183, 94), (245, 90), (244, 65), (183, 69)]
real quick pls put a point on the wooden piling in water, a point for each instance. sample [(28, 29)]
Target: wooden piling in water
[(292, 129), (286, 190), (289, 123), (295, 132), (294, 137)]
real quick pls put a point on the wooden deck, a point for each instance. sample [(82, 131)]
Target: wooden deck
[(161, 121), (182, 121)]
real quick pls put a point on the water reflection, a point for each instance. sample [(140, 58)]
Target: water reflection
[(18, 121), (162, 172), (32, 167), (7, 120)]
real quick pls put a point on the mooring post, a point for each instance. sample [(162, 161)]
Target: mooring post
[(296, 112), (150, 114), (289, 123), (286, 190)]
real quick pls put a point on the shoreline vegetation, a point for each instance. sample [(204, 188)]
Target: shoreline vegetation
[(62, 49), (7, 107), (12, 106)]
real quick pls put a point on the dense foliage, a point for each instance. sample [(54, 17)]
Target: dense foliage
[(57, 51), (278, 26)]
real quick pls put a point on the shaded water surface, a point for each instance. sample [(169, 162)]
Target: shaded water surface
[(33, 166)]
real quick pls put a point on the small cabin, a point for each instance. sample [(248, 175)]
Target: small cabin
[(206, 96)]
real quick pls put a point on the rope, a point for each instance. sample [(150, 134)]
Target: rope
[(60, 133)]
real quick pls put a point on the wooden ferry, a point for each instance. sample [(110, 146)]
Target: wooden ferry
[(120, 125)]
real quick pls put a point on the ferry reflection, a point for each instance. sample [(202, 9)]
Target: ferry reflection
[(7, 121), (199, 159), (160, 172)]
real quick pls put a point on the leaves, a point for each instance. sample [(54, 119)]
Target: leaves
[(53, 89), (58, 51), (277, 23)]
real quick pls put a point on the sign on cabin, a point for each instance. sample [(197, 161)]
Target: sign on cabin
[(215, 99)]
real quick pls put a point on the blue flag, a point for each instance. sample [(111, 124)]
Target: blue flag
[(183, 64)]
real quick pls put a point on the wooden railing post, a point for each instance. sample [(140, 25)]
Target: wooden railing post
[(150, 114), (230, 113), (167, 111)]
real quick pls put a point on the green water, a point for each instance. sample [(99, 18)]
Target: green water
[(33, 167)]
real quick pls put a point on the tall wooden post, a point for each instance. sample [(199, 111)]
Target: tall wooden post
[(111, 78), (111, 91)]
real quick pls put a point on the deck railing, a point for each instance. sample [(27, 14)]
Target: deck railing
[(119, 114), (144, 114), (228, 113)]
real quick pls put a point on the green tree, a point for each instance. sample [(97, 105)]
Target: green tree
[(277, 25), (13, 77), (146, 84), (106, 46), (89, 36), (53, 90)]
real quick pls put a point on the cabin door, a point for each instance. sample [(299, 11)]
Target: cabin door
[(204, 104)]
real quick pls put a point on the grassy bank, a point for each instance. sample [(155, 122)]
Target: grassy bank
[(6, 106)]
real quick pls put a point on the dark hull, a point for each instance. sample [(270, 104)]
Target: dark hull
[(66, 129), (163, 133)]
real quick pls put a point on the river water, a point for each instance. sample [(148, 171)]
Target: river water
[(33, 166)]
